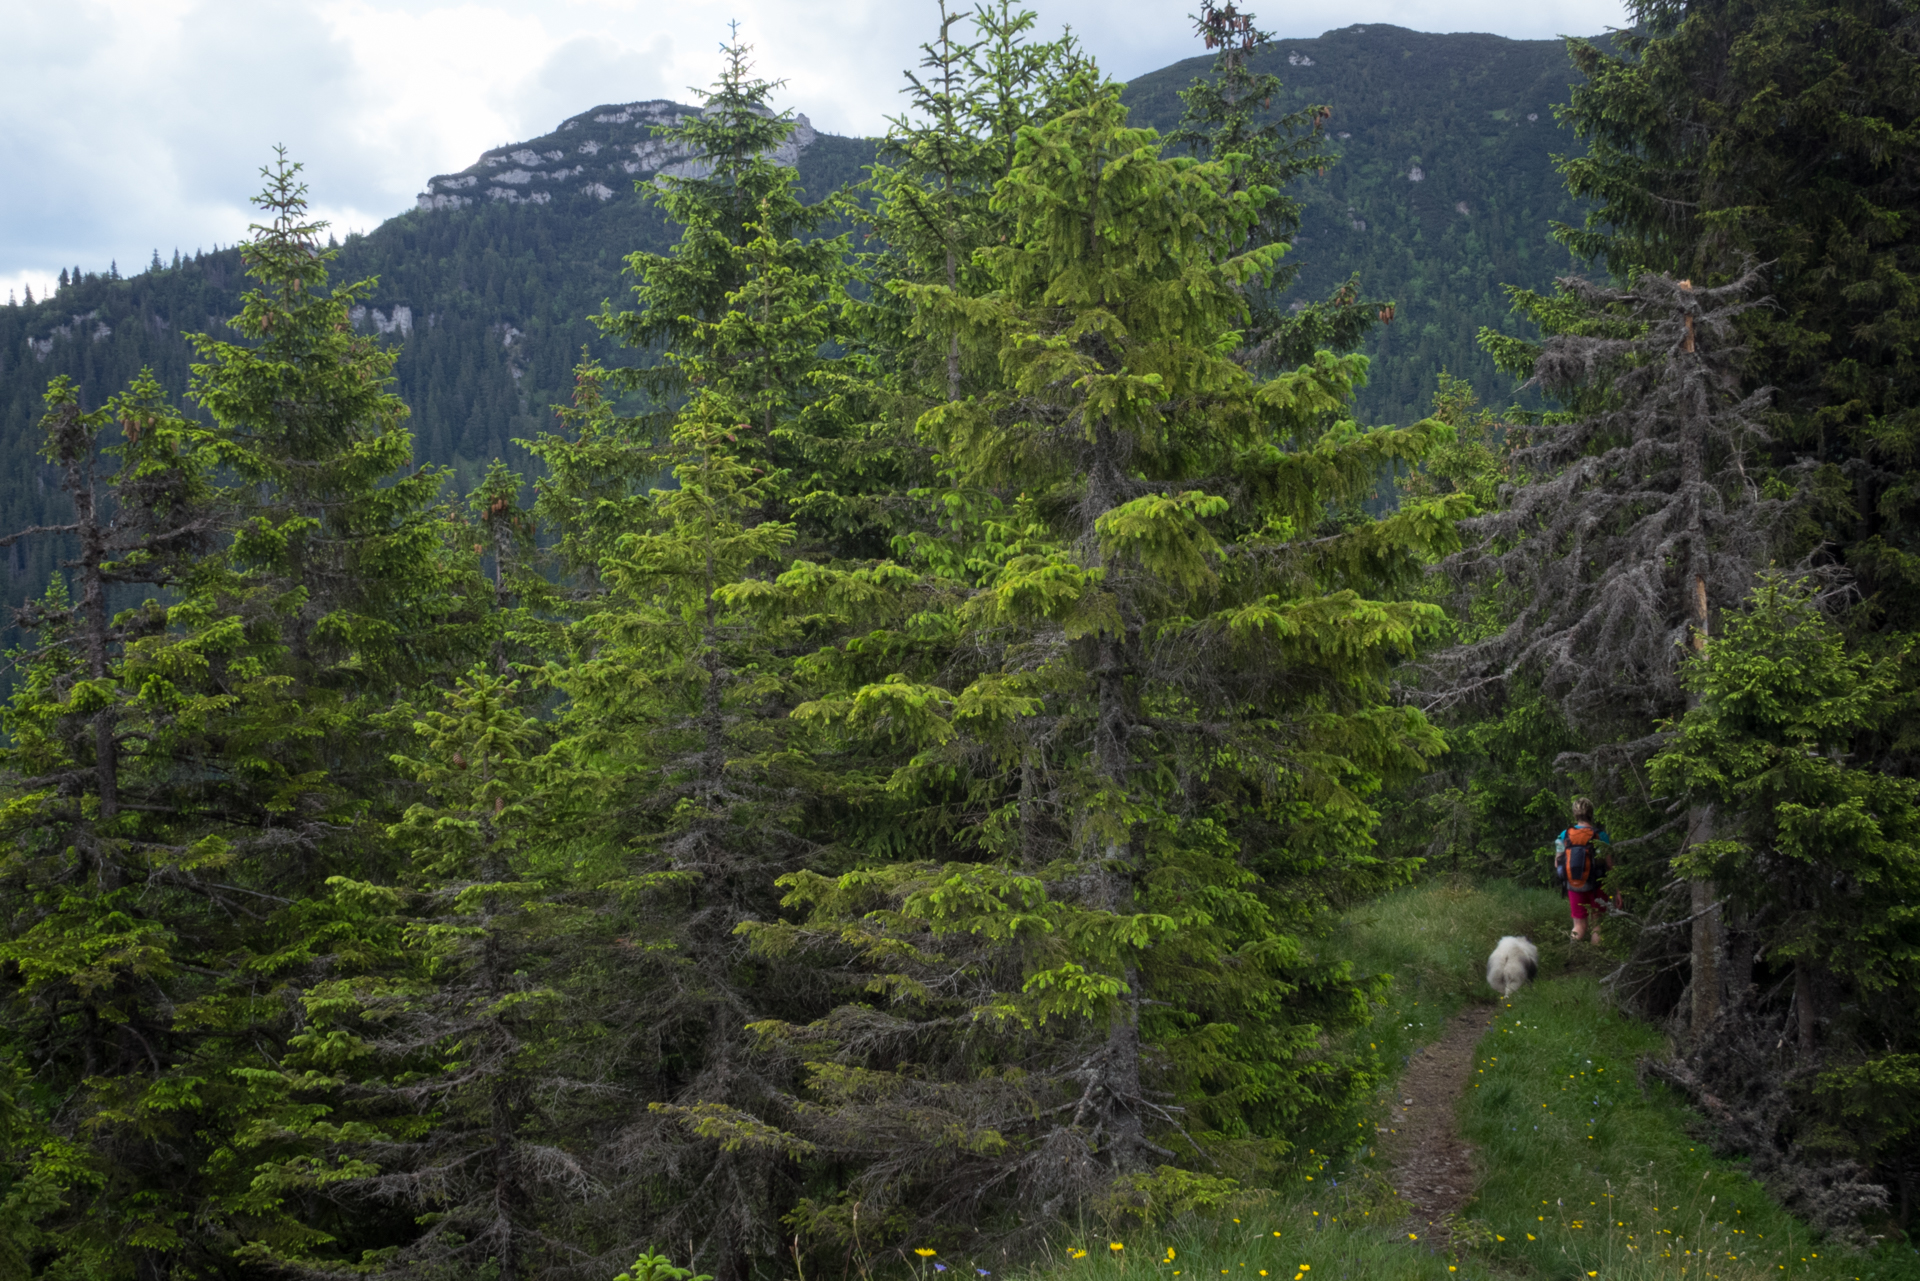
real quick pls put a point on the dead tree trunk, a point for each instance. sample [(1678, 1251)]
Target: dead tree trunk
[(1805, 1006), (1707, 925), (1706, 936)]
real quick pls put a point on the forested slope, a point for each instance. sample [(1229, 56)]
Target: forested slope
[(497, 296), (497, 291), (1443, 190)]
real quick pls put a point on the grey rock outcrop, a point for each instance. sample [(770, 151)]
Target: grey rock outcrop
[(398, 321), (532, 173), (43, 347)]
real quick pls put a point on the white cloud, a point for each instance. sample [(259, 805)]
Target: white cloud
[(586, 71), (18, 284), (137, 124)]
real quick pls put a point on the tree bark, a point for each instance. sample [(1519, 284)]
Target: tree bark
[(953, 339), (76, 445), (1708, 928), (1736, 946), (1121, 1069), (93, 606), (494, 979), (1120, 866), (1706, 941), (1804, 1005)]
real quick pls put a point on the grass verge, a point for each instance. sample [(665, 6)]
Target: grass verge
[(1434, 939), (1586, 1175), (1340, 1222)]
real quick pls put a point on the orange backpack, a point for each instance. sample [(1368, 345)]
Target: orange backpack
[(1576, 867)]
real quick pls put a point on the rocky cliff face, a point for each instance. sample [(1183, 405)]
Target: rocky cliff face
[(591, 155), (86, 325)]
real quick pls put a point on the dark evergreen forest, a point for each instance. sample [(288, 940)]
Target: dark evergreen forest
[(823, 719)]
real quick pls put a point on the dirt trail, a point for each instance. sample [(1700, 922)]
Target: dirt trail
[(1432, 1166)]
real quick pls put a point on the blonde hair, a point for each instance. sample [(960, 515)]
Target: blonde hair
[(1582, 810)]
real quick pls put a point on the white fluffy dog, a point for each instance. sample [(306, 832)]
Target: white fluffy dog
[(1513, 962)]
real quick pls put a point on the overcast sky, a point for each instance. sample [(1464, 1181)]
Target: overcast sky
[(135, 125)]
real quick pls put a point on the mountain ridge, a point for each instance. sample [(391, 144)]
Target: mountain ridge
[(635, 152), (487, 295)]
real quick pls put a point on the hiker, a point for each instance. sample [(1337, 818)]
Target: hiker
[(1579, 865)]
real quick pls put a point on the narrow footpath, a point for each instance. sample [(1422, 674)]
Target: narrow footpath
[(1433, 1167)]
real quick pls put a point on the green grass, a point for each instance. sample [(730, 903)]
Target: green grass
[(1270, 1241), (1434, 940), (1588, 1172), (1340, 1219), (1612, 1184)]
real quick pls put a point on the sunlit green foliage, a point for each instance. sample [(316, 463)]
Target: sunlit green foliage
[(1134, 696)]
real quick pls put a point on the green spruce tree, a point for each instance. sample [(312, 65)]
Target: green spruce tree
[(161, 941), (682, 789), (1138, 683), (453, 1047), (335, 535), (117, 900), (685, 788), (938, 164), (1231, 114), (1817, 853)]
